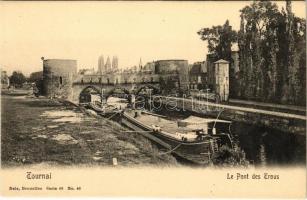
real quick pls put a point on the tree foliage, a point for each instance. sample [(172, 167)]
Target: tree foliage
[(220, 39), (17, 79), (272, 53), (227, 157), (37, 79), (257, 44), (35, 76)]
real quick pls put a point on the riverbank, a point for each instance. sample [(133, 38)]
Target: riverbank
[(40, 130)]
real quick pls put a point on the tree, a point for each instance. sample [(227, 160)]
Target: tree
[(257, 44), (220, 39), (37, 79), (296, 57), (272, 53), (228, 157), (300, 44), (35, 76), (17, 79)]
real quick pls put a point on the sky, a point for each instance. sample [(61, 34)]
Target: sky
[(129, 30)]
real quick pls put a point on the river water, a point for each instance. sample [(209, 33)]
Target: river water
[(263, 146)]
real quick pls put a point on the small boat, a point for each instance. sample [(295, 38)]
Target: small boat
[(194, 139)]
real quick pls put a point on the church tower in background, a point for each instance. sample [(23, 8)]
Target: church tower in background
[(100, 65), (114, 63), (108, 65)]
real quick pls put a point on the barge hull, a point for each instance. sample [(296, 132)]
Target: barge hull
[(199, 153)]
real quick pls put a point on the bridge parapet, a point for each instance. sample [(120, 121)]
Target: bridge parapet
[(118, 78)]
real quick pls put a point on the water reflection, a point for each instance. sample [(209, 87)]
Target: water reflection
[(265, 146), (117, 102)]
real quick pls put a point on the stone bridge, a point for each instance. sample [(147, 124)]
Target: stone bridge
[(108, 84), (61, 80), (105, 90)]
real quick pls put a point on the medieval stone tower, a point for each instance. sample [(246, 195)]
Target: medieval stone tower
[(221, 77), (58, 76)]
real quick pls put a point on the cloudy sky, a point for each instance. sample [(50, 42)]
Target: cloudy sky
[(130, 30)]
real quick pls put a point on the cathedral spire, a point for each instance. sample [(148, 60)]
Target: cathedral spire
[(100, 64), (108, 64), (114, 63)]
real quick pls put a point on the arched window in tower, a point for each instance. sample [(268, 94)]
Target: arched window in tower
[(81, 80), (61, 80), (108, 80), (99, 80), (116, 80)]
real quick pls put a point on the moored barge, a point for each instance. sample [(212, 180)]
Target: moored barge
[(194, 139)]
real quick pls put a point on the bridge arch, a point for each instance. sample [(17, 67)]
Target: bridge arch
[(125, 93), (89, 94), (155, 89)]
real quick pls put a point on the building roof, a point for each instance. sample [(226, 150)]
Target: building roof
[(222, 61)]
